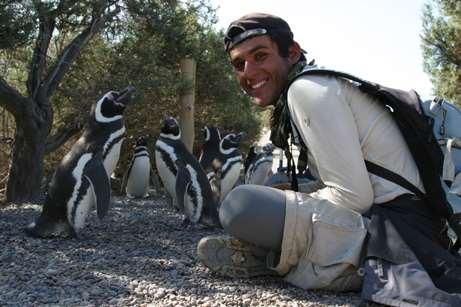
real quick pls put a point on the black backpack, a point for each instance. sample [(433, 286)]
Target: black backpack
[(416, 129)]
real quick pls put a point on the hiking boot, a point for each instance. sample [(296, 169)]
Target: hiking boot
[(231, 257)]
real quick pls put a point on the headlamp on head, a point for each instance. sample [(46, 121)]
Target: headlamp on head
[(231, 42)]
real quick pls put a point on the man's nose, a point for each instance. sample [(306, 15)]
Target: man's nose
[(250, 67)]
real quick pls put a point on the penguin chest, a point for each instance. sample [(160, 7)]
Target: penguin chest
[(111, 150), (193, 198), (82, 199), (138, 179), (230, 174), (166, 170), (83, 208), (112, 156)]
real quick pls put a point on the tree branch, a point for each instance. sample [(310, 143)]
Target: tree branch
[(72, 50), (38, 61), (61, 136), (11, 99)]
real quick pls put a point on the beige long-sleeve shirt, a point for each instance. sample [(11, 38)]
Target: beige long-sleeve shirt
[(342, 127)]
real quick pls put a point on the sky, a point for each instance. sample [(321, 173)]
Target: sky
[(376, 40)]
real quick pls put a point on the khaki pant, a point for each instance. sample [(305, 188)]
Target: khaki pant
[(321, 244)]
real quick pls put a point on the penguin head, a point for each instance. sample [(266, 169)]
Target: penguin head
[(141, 141), (253, 150), (170, 128), (210, 133), (206, 133), (231, 141), (112, 105), (268, 148)]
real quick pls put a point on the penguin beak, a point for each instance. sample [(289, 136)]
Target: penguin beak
[(126, 95), (240, 136), (170, 122)]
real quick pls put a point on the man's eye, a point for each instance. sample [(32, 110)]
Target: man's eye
[(259, 57), (239, 65)]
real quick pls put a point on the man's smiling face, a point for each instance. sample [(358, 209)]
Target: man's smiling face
[(260, 69)]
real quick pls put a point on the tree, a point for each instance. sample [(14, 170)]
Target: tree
[(31, 109), (441, 42)]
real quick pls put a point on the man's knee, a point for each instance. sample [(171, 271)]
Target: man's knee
[(234, 209)]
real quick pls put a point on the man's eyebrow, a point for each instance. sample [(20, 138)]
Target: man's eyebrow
[(252, 50), (257, 47)]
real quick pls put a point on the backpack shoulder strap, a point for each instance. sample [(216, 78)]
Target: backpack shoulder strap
[(393, 177), (335, 73)]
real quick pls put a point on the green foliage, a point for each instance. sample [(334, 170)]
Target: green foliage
[(441, 42), (153, 50), (16, 24), (141, 47)]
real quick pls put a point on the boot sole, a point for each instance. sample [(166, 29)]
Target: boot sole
[(230, 257)]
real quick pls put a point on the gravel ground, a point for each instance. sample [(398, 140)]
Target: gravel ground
[(140, 255)]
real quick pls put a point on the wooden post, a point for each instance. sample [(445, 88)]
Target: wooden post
[(186, 113)]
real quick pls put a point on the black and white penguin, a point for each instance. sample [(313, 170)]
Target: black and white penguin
[(137, 178), (183, 177), (82, 178), (166, 153), (231, 162), (209, 154), (195, 196), (260, 169)]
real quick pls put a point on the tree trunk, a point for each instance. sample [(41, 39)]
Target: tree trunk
[(33, 114), (187, 98), (26, 169)]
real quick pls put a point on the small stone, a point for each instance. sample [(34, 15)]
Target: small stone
[(51, 271), (160, 294), (85, 295)]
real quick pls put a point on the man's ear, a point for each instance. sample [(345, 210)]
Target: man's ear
[(294, 53)]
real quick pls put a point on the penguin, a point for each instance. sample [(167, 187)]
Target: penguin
[(166, 147), (195, 196), (260, 169), (209, 154), (81, 180), (137, 178), (183, 177), (231, 162)]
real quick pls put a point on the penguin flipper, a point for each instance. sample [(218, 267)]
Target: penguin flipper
[(190, 208), (99, 181)]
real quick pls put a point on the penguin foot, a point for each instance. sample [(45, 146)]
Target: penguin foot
[(50, 230), (185, 223)]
